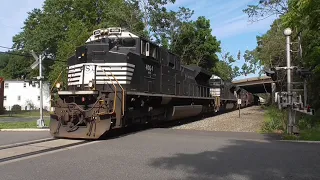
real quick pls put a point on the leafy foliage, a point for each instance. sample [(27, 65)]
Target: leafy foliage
[(195, 44), (224, 69), (62, 25), (276, 120), (302, 16), (265, 9)]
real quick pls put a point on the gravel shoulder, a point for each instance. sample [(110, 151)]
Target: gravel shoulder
[(251, 120)]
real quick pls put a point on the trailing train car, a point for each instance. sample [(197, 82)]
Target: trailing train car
[(224, 92), (117, 79), (247, 98)]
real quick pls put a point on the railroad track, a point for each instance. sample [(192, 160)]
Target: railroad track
[(19, 151), (24, 150)]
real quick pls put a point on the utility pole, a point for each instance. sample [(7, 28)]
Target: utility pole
[(40, 122), (287, 33)]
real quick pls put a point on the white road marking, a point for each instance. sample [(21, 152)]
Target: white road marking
[(25, 129), (21, 150), (25, 142)]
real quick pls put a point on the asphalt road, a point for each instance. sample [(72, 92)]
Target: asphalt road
[(175, 154), (17, 137)]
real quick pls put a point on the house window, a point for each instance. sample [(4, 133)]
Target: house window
[(4, 97), (6, 85), (19, 98), (38, 98)]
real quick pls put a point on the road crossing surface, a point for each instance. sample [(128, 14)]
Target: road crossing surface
[(173, 154)]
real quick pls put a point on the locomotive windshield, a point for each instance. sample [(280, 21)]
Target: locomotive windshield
[(215, 82), (115, 41), (122, 42)]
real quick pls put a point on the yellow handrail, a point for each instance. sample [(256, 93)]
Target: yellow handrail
[(115, 93), (56, 81), (122, 93)]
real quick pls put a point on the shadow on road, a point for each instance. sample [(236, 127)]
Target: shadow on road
[(248, 160)]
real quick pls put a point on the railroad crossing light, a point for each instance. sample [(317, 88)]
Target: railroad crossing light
[(271, 73), (304, 73)]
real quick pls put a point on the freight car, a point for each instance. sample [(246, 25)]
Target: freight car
[(224, 93), (227, 94), (117, 79)]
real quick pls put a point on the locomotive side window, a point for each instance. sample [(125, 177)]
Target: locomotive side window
[(147, 49), (143, 47), (153, 51), (171, 60), (128, 42)]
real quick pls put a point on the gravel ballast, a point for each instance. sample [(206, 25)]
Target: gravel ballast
[(251, 120)]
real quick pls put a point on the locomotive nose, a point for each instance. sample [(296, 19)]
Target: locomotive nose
[(73, 127), (84, 116)]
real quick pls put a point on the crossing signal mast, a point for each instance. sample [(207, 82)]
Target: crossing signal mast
[(38, 62), (292, 99)]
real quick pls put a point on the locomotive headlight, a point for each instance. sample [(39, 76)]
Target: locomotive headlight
[(58, 85)]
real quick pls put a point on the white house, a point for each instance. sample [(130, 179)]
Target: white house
[(25, 95)]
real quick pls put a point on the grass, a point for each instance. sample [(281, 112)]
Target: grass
[(24, 114), (276, 121), (307, 134), (16, 125)]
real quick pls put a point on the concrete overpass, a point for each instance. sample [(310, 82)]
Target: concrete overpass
[(263, 84)]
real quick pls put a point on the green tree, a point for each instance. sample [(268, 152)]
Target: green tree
[(4, 59), (195, 44), (265, 9), (61, 25), (154, 14), (302, 17), (224, 69)]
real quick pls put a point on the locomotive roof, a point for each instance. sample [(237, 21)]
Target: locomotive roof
[(200, 72), (110, 33)]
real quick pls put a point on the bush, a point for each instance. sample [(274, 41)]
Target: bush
[(2, 110), (312, 134), (275, 120), (309, 122), (16, 108)]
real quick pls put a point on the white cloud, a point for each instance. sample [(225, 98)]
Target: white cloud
[(230, 8), (241, 26), (235, 19)]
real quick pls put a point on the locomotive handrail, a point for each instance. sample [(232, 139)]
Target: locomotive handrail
[(122, 93), (115, 93), (56, 81)]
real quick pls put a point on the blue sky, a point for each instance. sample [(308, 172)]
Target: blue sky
[(229, 24)]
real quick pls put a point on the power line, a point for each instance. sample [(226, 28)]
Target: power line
[(2, 52), (5, 47), (28, 56)]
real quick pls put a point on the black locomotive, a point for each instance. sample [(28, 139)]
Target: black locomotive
[(118, 79)]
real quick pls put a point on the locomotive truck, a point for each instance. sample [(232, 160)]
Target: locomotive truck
[(117, 79)]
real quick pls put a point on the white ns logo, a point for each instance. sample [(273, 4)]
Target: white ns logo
[(149, 67)]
